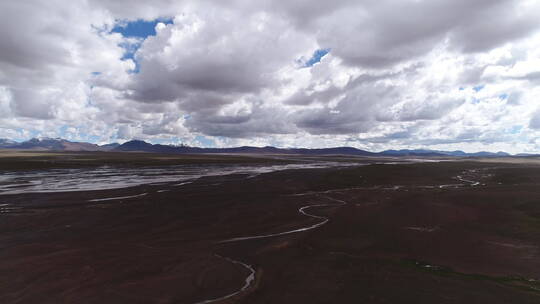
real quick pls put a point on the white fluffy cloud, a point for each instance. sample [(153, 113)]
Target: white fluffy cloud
[(400, 74)]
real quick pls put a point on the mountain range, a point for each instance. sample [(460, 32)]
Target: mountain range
[(58, 144), (54, 144)]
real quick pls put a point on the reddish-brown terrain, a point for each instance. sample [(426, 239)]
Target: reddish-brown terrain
[(393, 235)]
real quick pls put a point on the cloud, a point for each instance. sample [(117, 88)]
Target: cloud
[(398, 74), (208, 51), (381, 33)]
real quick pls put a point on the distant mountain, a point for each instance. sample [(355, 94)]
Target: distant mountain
[(329, 151), (142, 146), (109, 147), (527, 154), (41, 144), (418, 152), (80, 146), (457, 153), (6, 142), (58, 144), (489, 154), (52, 144), (454, 153)]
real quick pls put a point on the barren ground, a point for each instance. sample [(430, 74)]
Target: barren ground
[(399, 238)]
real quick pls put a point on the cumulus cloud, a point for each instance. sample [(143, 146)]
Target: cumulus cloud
[(208, 50), (442, 74)]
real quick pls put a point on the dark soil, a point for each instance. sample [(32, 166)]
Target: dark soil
[(399, 239)]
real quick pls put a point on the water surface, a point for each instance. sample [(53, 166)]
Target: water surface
[(107, 177)]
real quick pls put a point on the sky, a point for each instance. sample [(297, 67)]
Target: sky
[(372, 74)]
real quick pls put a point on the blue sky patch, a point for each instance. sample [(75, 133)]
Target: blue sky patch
[(503, 96), (139, 28), (130, 48), (205, 141), (479, 88), (514, 129), (316, 57)]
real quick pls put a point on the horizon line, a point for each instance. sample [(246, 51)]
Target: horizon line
[(412, 150)]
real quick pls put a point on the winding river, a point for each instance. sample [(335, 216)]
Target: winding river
[(251, 277), (322, 220)]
